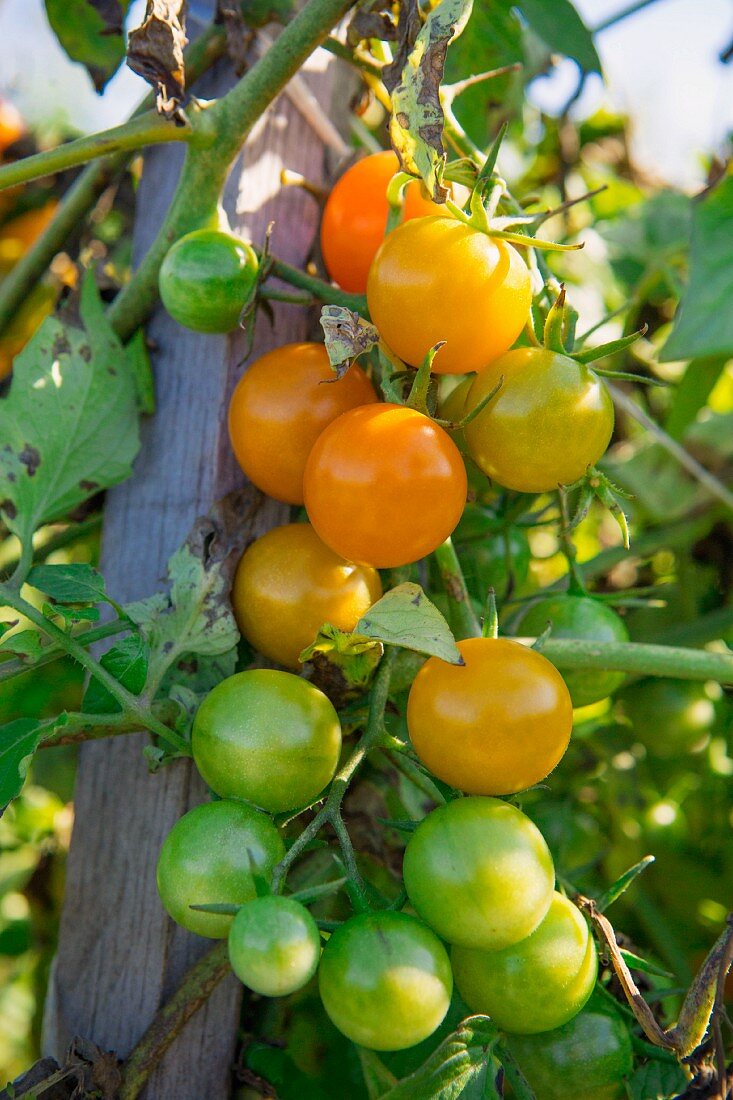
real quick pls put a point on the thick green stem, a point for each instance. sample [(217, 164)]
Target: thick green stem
[(16, 666), (635, 657), (462, 613), (147, 129)]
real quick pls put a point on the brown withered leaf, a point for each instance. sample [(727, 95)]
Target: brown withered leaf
[(155, 52), (347, 336), (88, 1073), (239, 36), (111, 13), (408, 28), (372, 19)]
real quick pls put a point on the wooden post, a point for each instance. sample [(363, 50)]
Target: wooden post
[(119, 956)]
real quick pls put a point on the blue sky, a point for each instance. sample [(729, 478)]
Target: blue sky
[(661, 66)]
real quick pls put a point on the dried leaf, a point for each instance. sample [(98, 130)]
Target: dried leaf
[(111, 13), (408, 28), (155, 52), (347, 336), (372, 19), (239, 37)]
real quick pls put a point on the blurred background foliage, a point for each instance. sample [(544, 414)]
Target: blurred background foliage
[(648, 771)]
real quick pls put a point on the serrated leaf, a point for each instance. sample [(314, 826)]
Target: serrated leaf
[(72, 615), (90, 32), (74, 582), (347, 336), (405, 617), (69, 423), (24, 643), (127, 661), (416, 123), (622, 883), (450, 1069), (657, 1081), (704, 323), (636, 962), (18, 742), (558, 25)]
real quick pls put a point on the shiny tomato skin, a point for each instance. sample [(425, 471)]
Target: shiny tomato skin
[(537, 984), (479, 872), (669, 717), (385, 980), (496, 724), (384, 485), (587, 1057), (289, 583), (279, 408), (210, 857), (437, 279), (550, 421), (269, 737), (355, 217), (205, 280), (274, 945), (584, 618)]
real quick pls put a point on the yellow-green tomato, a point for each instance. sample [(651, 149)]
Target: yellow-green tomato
[(274, 945), (289, 583), (210, 857), (550, 421), (385, 980), (537, 984), (205, 280), (269, 737), (479, 872)]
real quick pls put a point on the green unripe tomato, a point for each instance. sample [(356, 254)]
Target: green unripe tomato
[(210, 857), (274, 946), (205, 280), (479, 872), (269, 737), (670, 717), (484, 556), (589, 620), (385, 980), (537, 984), (589, 1056)]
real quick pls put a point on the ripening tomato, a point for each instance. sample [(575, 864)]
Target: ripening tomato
[(537, 984), (274, 945), (585, 618), (18, 234), (210, 857), (12, 126), (384, 485), (206, 278), (280, 407), (385, 980), (268, 737), (289, 583), (355, 217), (27, 318), (438, 279), (669, 717), (550, 421), (588, 1057), (496, 724), (479, 872)]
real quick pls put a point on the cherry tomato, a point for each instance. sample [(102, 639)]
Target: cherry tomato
[(289, 583), (269, 737), (490, 554), (496, 724), (274, 946), (355, 217), (12, 126), (384, 485), (550, 421), (18, 234), (670, 717), (280, 407), (205, 280), (385, 980), (210, 857), (479, 872), (589, 1056), (537, 984), (437, 279), (585, 618)]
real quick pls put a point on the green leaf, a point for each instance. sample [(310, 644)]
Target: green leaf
[(139, 359), (69, 583), (69, 423), (405, 617), (416, 124), (24, 643), (622, 883), (657, 1081), (18, 742), (558, 25), (636, 962), (704, 322), (451, 1068), (258, 13), (127, 661), (88, 37), (692, 393), (343, 664)]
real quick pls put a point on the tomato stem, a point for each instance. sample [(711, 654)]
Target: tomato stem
[(462, 613)]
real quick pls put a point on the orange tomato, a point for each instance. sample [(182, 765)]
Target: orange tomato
[(280, 407), (495, 725), (355, 217), (12, 126), (17, 235), (35, 308), (384, 485)]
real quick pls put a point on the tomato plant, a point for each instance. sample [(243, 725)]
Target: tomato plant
[(274, 945), (385, 980), (669, 717), (289, 583), (205, 280), (280, 407), (212, 855)]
